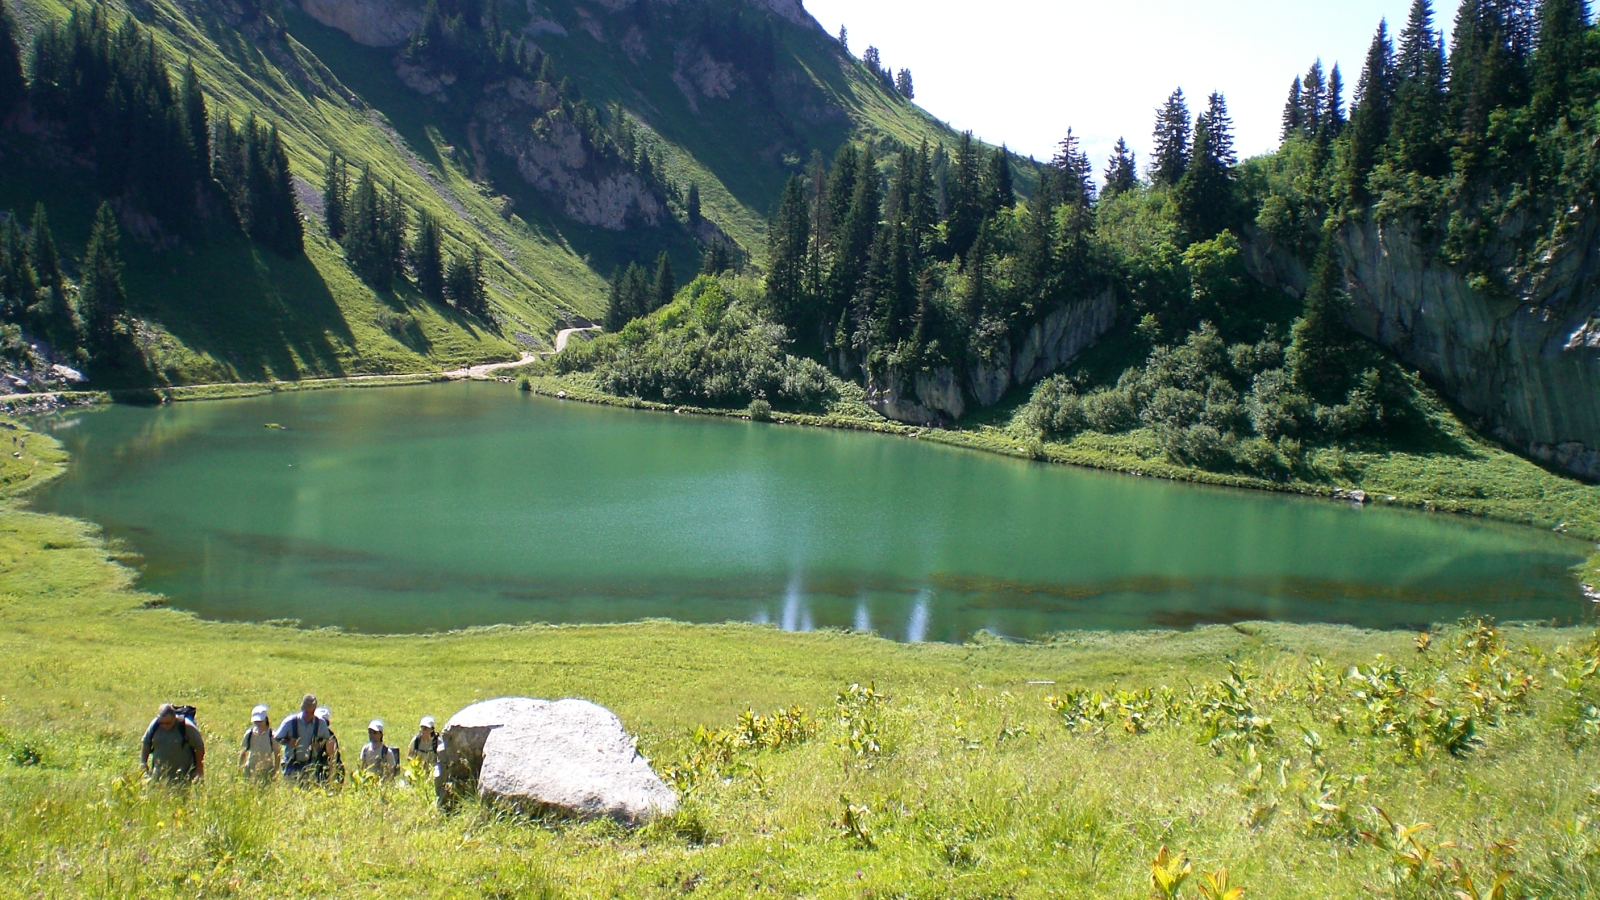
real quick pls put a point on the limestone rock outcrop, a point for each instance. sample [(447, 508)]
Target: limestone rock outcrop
[(375, 23), (568, 756), (942, 395), (1525, 360)]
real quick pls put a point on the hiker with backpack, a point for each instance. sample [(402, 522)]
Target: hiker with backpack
[(302, 737), (377, 758), (329, 763), (173, 748), (425, 744), (258, 753)]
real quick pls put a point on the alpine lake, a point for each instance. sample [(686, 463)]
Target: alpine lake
[(428, 508)]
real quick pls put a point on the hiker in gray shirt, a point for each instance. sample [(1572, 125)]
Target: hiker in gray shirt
[(302, 737), (172, 749)]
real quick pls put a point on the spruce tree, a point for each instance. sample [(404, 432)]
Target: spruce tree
[(1560, 61), (463, 284), (966, 197), (1370, 120), (197, 124), (272, 217), (1417, 137), (1486, 71), (1292, 110), (1122, 172), (715, 260), (617, 312), (788, 237), (1172, 136), (904, 85), (19, 283), (1313, 89), (665, 285), (1204, 195), (101, 295), (999, 191), (1333, 117), (13, 86), (46, 260), (427, 257), (1073, 173), (693, 204), (1322, 351), (335, 196)]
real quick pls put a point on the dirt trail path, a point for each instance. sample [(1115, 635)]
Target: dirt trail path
[(474, 373)]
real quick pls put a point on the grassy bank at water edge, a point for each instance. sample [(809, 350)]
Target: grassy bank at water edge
[(959, 773)]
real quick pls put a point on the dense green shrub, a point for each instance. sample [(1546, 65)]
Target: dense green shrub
[(1218, 406), (713, 345)]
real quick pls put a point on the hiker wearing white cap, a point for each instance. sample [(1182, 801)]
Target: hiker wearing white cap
[(258, 757), (425, 745), (329, 764), (376, 758)]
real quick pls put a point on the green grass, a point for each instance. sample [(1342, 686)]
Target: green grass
[(976, 786)]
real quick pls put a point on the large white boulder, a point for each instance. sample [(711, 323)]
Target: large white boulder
[(568, 756)]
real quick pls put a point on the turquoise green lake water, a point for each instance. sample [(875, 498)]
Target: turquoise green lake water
[(425, 508)]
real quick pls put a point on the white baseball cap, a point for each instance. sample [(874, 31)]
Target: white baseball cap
[(427, 721), (258, 717), (260, 710), (375, 725)]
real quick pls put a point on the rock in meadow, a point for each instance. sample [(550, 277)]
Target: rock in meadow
[(568, 756)]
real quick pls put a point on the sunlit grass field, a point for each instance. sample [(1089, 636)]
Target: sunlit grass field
[(1054, 769)]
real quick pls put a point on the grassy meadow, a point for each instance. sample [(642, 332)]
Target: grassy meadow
[(950, 771)]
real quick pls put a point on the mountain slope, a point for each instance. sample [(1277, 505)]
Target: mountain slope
[(553, 211)]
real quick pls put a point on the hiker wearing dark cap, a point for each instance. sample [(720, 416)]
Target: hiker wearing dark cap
[(329, 764), (172, 749), (258, 755), (302, 737)]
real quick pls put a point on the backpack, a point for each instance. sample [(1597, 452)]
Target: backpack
[(186, 716)]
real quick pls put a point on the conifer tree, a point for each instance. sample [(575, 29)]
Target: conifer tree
[(1313, 90), (54, 315), (1204, 195), (1122, 172), (1418, 133), (852, 243), (427, 257), (844, 38), (715, 260), (1371, 118), (197, 124), (19, 284), (618, 312), (13, 86), (665, 285), (273, 217), (1073, 173), (1333, 117), (966, 197), (999, 191), (788, 236), (1292, 110), (463, 283), (46, 260), (693, 204), (101, 295), (1322, 350), (1560, 60), (374, 234), (903, 84), (335, 196), (1486, 71), (1172, 135)]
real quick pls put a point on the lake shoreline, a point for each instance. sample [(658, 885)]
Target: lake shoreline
[(987, 440)]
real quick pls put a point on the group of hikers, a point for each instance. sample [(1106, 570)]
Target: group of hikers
[(303, 748)]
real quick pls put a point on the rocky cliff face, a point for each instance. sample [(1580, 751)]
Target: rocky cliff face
[(1528, 363), (375, 23), (944, 394)]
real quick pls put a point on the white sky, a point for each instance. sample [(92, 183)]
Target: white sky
[(1022, 71)]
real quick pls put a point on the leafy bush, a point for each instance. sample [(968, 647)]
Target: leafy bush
[(713, 345), (1220, 407)]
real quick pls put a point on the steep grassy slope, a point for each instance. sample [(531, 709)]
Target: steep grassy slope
[(220, 308)]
